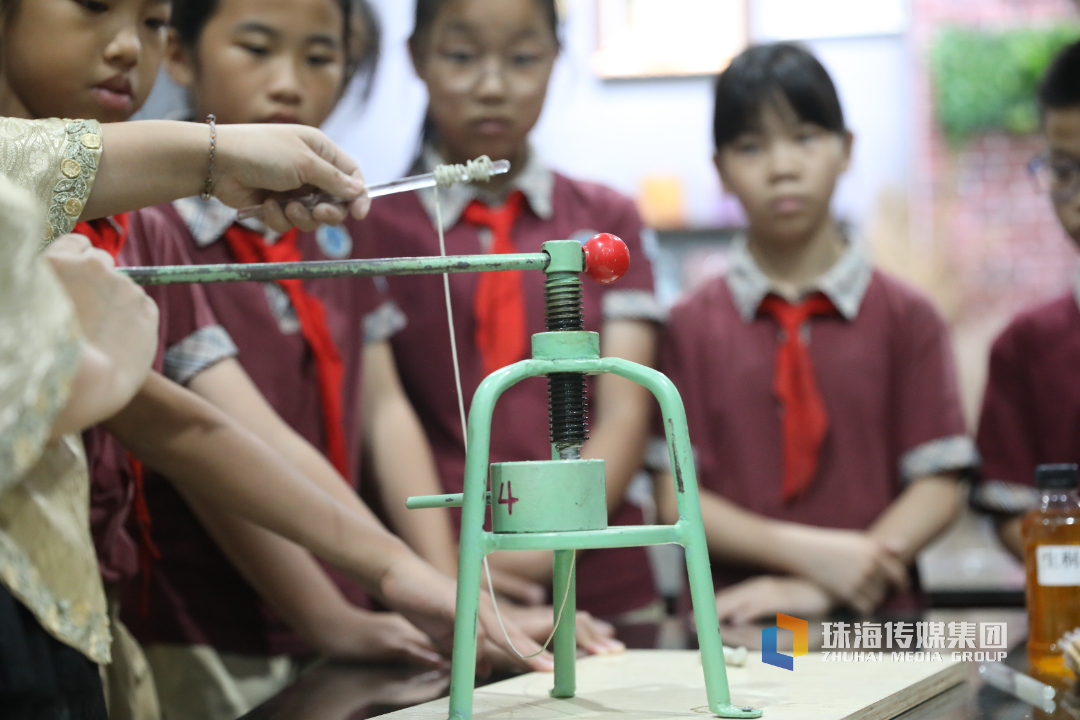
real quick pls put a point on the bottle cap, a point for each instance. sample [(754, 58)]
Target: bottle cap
[(1057, 477)]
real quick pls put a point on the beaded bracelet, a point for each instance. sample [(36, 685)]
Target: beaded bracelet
[(208, 186)]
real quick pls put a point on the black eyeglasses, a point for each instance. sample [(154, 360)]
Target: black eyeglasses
[(1058, 177)]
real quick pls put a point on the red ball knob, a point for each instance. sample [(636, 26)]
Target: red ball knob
[(606, 258)]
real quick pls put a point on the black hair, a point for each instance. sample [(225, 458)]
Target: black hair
[(426, 13), (1060, 86), (766, 73), (189, 19), (428, 10)]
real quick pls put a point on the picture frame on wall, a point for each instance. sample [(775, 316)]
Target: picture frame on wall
[(668, 38)]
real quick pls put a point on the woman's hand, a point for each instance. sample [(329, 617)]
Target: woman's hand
[(269, 164), (149, 162), (119, 323)]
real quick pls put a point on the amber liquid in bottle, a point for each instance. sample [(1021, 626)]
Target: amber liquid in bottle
[(1052, 560)]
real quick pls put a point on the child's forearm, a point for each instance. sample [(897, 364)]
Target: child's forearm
[(1009, 531), (404, 467), (622, 408), (209, 456), (926, 508), (229, 388), (850, 565), (283, 573), (403, 463), (733, 534), (535, 566)]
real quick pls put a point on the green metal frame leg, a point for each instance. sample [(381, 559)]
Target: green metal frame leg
[(691, 532), (708, 629), (565, 641), (474, 545), (466, 623)]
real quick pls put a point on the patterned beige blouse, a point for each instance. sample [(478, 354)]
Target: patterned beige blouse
[(47, 557)]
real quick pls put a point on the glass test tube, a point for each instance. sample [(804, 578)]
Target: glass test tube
[(408, 184)]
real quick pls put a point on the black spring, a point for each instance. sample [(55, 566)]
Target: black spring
[(566, 391)]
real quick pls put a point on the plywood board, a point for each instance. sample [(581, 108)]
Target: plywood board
[(661, 684)]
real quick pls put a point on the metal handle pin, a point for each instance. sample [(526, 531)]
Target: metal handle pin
[(408, 184)]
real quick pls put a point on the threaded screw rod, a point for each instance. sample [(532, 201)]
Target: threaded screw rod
[(566, 391)]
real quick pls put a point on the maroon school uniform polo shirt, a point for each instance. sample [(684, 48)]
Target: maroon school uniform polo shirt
[(885, 371), (1031, 409), (197, 595), (185, 319), (609, 582)]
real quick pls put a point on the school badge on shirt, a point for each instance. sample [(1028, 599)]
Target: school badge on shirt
[(334, 241)]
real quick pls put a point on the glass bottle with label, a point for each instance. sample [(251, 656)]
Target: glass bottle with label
[(1052, 558)]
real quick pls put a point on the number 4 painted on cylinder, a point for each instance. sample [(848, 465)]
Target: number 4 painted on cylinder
[(510, 499)]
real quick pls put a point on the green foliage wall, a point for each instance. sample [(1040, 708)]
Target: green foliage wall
[(986, 80)]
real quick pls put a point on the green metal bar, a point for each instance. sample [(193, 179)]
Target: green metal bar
[(564, 585), (428, 502), (244, 272), (613, 537)]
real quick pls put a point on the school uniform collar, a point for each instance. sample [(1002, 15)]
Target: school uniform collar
[(535, 181), (207, 220), (845, 283)]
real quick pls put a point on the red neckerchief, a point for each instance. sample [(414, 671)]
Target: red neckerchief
[(110, 234), (248, 246), (499, 303), (805, 420)]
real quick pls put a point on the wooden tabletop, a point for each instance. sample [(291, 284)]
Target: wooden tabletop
[(335, 691)]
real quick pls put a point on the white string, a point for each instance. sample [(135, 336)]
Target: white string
[(480, 169), (450, 312), (558, 618)]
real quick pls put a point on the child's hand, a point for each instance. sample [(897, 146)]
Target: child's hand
[(594, 636), (852, 566), (119, 323), (270, 164), (764, 596), (427, 598), (360, 634)]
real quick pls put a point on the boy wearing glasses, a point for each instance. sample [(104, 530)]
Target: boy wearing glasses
[(1031, 409)]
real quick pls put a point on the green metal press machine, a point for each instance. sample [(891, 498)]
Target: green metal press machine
[(557, 504)]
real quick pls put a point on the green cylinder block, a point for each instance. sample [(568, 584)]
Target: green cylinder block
[(548, 496), (564, 256), (566, 345)]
